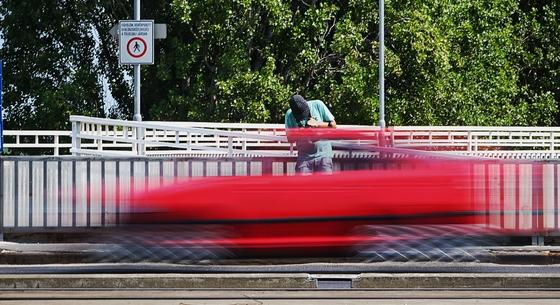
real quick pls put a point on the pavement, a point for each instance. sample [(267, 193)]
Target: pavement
[(279, 297), (59, 266)]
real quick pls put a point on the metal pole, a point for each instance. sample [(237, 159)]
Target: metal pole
[(137, 85), (137, 115), (382, 63), (1, 113)]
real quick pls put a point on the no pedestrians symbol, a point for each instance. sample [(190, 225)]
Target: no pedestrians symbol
[(136, 47), (136, 42)]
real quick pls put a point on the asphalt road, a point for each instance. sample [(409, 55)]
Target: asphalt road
[(292, 297)]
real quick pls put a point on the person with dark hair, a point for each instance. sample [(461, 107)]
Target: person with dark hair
[(313, 156)]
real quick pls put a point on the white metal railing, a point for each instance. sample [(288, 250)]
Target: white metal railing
[(37, 139), (180, 138), (478, 138), (58, 141), (119, 137), (107, 137)]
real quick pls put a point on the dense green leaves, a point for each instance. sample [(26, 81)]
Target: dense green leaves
[(52, 62), (479, 62)]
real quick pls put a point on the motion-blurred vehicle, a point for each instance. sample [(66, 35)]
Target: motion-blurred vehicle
[(407, 206), (300, 215)]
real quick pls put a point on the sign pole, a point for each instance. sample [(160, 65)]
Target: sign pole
[(136, 48), (137, 114), (140, 150)]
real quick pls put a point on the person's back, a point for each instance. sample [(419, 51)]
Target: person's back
[(312, 156)]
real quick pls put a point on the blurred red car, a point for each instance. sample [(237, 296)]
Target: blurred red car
[(310, 215)]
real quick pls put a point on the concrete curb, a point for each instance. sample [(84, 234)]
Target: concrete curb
[(156, 281), (279, 281), (457, 280)]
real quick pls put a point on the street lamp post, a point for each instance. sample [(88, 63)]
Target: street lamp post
[(381, 64)]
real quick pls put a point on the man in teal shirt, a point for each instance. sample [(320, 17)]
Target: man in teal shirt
[(313, 156)]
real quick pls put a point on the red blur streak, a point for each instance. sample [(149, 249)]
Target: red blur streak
[(314, 134), (382, 137), (374, 193), (309, 212)]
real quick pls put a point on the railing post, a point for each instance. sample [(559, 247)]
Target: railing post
[(140, 137), (134, 137), (230, 146), (99, 133), (56, 143), (475, 146), (76, 138)]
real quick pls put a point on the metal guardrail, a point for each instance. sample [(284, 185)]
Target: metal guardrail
[(69, 193), (156, 138), (38, 139), (57, 142), (118, 137), (107, 137)]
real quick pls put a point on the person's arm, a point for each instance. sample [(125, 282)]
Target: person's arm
[(326, 117), (316, 124)]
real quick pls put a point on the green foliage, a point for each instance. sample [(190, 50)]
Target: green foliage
[(478, 62), (457, 65), (52, 62)]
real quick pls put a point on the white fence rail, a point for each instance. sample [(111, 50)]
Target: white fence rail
[(37, 139), (161, 139), (239, 139), (107, 137)]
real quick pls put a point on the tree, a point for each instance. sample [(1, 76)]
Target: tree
[(52, 65), (454, 64), (538, 58), (479, 62)]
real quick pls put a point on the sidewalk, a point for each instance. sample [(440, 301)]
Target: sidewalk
[(65, 253)]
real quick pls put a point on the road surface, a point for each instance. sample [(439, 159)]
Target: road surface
[(273, 297)]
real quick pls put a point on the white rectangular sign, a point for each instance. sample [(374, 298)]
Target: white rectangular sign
[(136, 42)]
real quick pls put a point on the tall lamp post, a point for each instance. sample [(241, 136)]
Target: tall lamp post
[(382, 64)]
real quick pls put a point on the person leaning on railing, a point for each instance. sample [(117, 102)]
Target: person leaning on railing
[(313, 156)]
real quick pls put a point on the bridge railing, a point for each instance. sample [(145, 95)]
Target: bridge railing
[(120, 137), (478, 138), (55, 141), (241, 139), (107, 137), (38, 194)]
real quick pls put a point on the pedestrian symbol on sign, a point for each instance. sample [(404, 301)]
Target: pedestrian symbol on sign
[(137, 47)]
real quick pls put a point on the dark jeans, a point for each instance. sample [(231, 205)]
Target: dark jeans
[(320, 165)]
